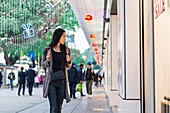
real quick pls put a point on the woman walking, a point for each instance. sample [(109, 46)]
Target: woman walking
[(56, 58)]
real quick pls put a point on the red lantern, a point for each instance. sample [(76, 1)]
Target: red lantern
[(94, 44), (97, 53), (95, 49), (88, 18), (92, 36)]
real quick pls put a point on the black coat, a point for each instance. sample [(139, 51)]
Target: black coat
[(31, 75), (72, 75), (0, 77), (89, 74), (81, 75), (21, 76)]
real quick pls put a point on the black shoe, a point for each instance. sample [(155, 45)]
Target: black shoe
[(74, 97), (23, 94), (18, 94), (83, 95), (30, 94)]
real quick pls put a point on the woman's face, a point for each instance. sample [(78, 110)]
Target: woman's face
[(63, 38)]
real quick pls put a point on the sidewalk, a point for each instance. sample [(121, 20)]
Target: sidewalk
[(10, 102)]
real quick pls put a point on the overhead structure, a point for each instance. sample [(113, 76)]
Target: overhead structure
[(92, 10)]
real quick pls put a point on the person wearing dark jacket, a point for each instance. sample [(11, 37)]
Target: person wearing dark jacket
[(21, 76), (1, 77), (96, 79), (89, 79), (11, 77), (72, 78), (56, 57), (31, 75), (81, 76)]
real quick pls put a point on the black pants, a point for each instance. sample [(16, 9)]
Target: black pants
[(56, 96), (30, 86), (21, 85), (72, 86)]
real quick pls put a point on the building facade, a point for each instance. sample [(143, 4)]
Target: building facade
[(137, 80)]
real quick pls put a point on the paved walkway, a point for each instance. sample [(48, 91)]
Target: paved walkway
[(11, 103)]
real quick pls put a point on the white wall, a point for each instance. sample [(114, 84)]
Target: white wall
[(131, 102), (162, 57), (132, 49), (130, 106), (148, 57), (113, 65)]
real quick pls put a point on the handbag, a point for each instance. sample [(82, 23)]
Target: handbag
[(58, 75), (79, 87)]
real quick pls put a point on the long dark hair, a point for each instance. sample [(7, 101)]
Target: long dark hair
[(55, 40), (56, 37)]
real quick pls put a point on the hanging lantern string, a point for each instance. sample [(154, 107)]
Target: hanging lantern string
[(20, 5), (32, 26), (12, 9), (29, 42), (18, 36), (4, 2), (27, 19), (30, 21)]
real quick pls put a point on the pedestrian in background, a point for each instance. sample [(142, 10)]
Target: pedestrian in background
[(1, 78), (100, 78), (37, 80), (31, 75), (96, 79), (89, 79), (56, 58), (72, 78), (21, 76), (11, 77), (81, 77)]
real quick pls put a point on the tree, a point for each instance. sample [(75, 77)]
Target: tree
[(43, 19), (79, 60)]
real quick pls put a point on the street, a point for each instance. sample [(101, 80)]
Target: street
[(10, 102)]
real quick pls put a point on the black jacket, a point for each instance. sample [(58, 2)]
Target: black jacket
[(72, 75), (21, 76), (81, 75), (89, 74), (0, 77), (11, 74), (31, 75)]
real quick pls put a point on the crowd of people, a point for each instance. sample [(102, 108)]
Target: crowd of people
[(27, 78), (79, 76), (56, 60), (75, 77)]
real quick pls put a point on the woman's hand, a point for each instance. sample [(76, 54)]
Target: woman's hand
[(48, 56), (68, 58)]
